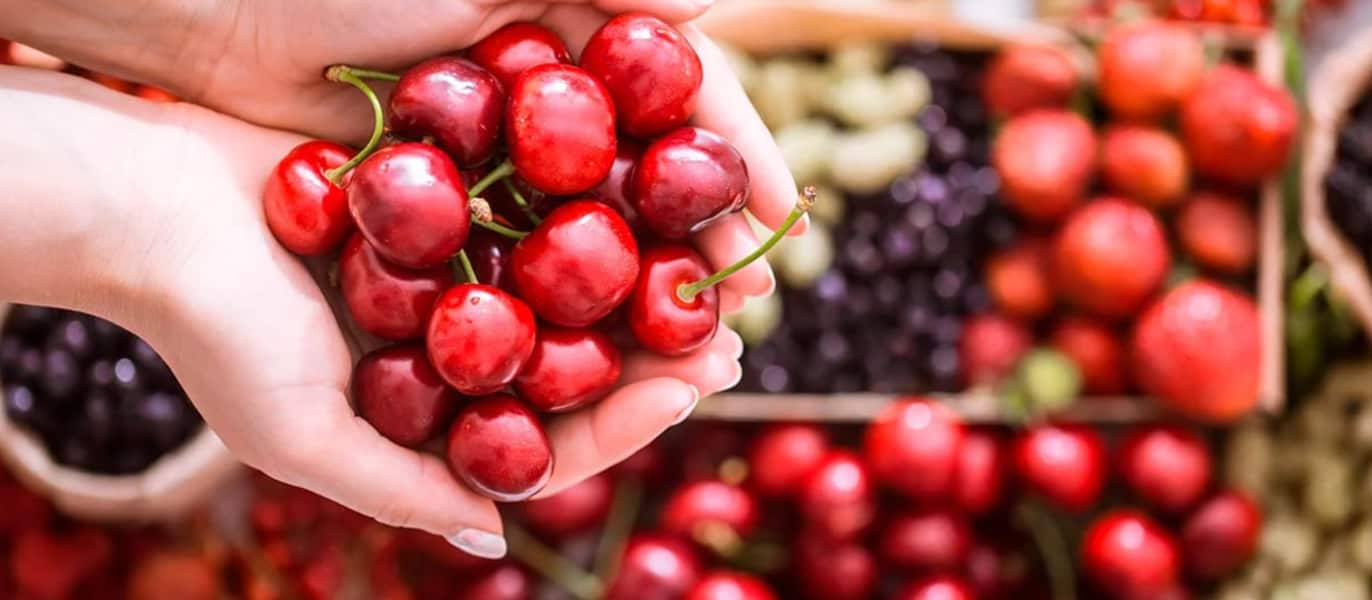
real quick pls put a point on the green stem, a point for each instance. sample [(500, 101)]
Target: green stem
[(552, 566), (501, 229), (502, 171), (523, 204), (348, 75), (624, 507), (466, 267), (1052, 548), (688, 291), (370, 74)]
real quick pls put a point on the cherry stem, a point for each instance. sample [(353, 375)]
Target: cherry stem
[(346, 74), (552, 566), (466, 265), (1052, 547), (370, 74), (688, 291), (502, 171), (523, 204), (624, 508), (481, 215)]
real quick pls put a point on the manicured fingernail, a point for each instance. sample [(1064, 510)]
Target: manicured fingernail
[(690, 406), (738, 376), (475, 542)]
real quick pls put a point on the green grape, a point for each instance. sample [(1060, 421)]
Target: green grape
[(778, 93), (858, 100), (757, 319), (801, 260), (867, 161), (1289, 543), (1320, 421), (859, 57), (1358, 545), (1328, 492), (829, 206), (1248, 457), (907, 90), (1238, 591), (807, 145)]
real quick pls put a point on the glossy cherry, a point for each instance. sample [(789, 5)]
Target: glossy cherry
[(479, 338), (617, 189), (981, 474), (704, 510), (932, 540), (505, 582), (1129, 556), (409, 201), (306, 211), (730, 585), (490, 253), (783, 456), (571, 511), (560, 128), (652, 72), (569, 368), (1065, 464), (913, 447), (687, 180), (385, 300), (654, 567), (833, 571), (457, 103), (499, 449), (400, 394), (578, 265), (1221, 535), (837, 499), (1167, 466), (940, 587), (515, 48)]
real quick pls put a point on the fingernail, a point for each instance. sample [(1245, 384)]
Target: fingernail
[(690, 406), (738, 376), (475, 542)]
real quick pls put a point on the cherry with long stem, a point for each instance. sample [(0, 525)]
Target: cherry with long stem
[(523, 204), (462, 267), (688, 291), (502, 171), (353, 77)]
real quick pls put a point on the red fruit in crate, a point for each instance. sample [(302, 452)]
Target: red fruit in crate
[(322, 576), (1017, 278), (1199, 350), (453, 101), (698, 510), (1221, 535), (400, 394), (562, 107), (1110, 257), (659, 318), (730, 585), (385, 300), (498, 448), (506, 582), (999, 569), (1148, 68), (49, 566), (1238, 128), (617, 189), (940, 587), (654, 567), (170, 575), (23, 509), (1045, 159), (833, 571), (308, 213), (1145, 164), (1024, 77), (652, 72), (569, 368), (1097, 351), (926, 540), (573, 510), (1064, 464), (782, 456), (490, 255), (990, 348), (981, 472), (409, 201), (1167, 466), (515, 48), (912, 447), (480, 338), (1129, 556), (837, 499), (578, 266), (1219, 232), (648, 465), (688, 179)]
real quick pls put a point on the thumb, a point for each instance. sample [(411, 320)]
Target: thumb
[(672, 11)]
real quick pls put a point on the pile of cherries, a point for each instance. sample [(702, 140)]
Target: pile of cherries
[(496, 241)]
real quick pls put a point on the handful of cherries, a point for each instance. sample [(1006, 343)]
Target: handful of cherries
[(492, 323)]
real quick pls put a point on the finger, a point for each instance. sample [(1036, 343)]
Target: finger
[(671, 11), (728, 241), (729, 302), (711, 369)]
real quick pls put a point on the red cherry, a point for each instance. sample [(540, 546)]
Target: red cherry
[(981, 473), (455, 102), (490, 255), (503, 205), (516, 47), (400, 394), (913, 446), (505, 582), (409, 201), (617, 189), (654, 567), (833, 571), (660, 319), (999, 569), (306, 211), (564, 108), (480, 337), (696, 506), (648, 465), (1129, 556), (650, 69), (46, 564), (1167, 466), (687, 180), (926, 540), (385, 300), (578, 265), (498, 448), (1221, 535), (569, 369), (941, 587), (783, 456), (728, 585), (1065, 464), (837, 498), (571, 511)]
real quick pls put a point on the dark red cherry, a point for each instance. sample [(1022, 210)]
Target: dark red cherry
[(505, 582), (697, 506), (560, 128), (829, 570), (571, 511), (306, 211), (652, 72), (913, 447), (409, 201), (385, 300), (400, 394), (931, 540), (479, 338), (730, 585), (1129, 556), (499, 449), (981, 472), (783, 456), (578, 265), (1167, 466), (654, 567), (837, 499), (660, 319), (1221, 535), (687, 180), (569, 368), (453, 101), (514, 48), (617, 189), (939, 587), (490, 255), (1064, 464)]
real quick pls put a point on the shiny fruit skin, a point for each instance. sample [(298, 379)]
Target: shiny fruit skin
[(1045, 159), (982, 472), (454, 101), (569, 368), (408, 200), (307, 213), (652, 72), (1110, 257), (1147, 69), (688, 179), (1024, 77), (1097, 350), (1167, 466), (1129, 556), (490, 255), (556, 106), (385, 300), (499, 449), (654, 567), (833, 571), (1064, 464), (782, 456), (479, 338), (1198, 349), (573, 510), (515, 48), (505, 582), (578, 265), (617, 189), (1238, 128), (940, 587), (1219, 232), (928, 540), (990, 347), (399, 393), (729, 585), (172, 575), (912, 447), (1018, 279), (1221, 535), (660, 320), (837, 499), (700, 504), (1145, 164)]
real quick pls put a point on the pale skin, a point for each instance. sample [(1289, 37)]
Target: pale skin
[(150, 215)]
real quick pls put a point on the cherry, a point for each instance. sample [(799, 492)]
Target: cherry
[(571, 511), (710, 511), (505, 582), (687, 180), (913, 447), (47, 564), (1220, 535), (560, 127), (833, 571), (1065, 464), (498, 448), (453, 101), (617, 189), (837, 499), (941, 587), (516, 47), (480, 337), (578, 265), (385, 300), (1129, 556), (400, 394), (783, 456), (730, 585), (409, 201), (932, 539), (498, 186), (999, 569), (1167, 466), (490, 256), (569, 368), (981, 472), (654, 567), (650, 69), (649, 465), (306, 211)]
